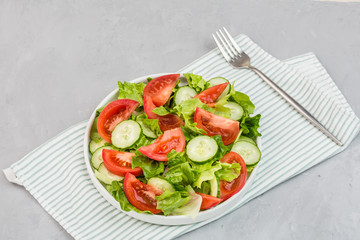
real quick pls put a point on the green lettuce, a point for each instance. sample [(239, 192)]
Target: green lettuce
[(132, 91), (94, 134), (169, 201), (98, 111), (175, 158), (151, 168), (249, 169), (162, 111), (250, 126), (143, 141), (187, 108), (192, 207), (222, 148), (150, 124), (244, 101), (205, 188), (180, 174), (190, 131), (196, 82), (228, 172), (206, 175)]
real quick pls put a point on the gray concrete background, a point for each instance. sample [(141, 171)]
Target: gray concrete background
[(58, 59)]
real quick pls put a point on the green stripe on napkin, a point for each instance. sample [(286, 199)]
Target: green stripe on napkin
[(55, 173)]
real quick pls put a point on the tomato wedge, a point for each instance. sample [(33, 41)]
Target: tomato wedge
[(149, 106), (141, 195), (171, 139), (169, 122), (159, 89), (114, 113), (166, 122), (119, 163), (227, 189), (211, 94), (208, 201), (216, 125)]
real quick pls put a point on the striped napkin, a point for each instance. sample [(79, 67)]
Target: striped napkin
[(55, 173)]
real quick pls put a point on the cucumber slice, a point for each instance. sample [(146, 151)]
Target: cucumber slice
[(161, 184), (93, 145), (125, 134), (213, 187), (105, 176), (217, 81), (201, 149), (236, 111), (248, 151), (146, 131), (183, 94), (96, 158), (246, 139)]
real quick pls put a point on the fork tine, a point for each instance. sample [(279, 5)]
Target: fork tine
[(226, 47), (222, 50), (232, 49), (233, 41)]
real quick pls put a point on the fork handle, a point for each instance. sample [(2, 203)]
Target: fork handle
[(296, 105)]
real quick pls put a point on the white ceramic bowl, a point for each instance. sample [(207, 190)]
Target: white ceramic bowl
[(158, 219)]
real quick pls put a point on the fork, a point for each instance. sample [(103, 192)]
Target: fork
[(239, 59)]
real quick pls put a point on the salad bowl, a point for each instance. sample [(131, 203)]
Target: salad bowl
[(212, 213)]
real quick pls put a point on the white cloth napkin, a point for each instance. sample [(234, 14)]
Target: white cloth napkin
[(55, 173)]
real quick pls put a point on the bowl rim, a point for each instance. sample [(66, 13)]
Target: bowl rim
[(215, 212)]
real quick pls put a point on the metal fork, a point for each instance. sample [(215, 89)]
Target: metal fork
[(239, 59)]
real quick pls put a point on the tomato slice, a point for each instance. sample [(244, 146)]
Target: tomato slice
[(159, 89), (227, 189), (216, 125), (211, 94), (208, 201), (166, 122), (171, 139), (119, 163), (169, 122), (114, 113), (141, 195)]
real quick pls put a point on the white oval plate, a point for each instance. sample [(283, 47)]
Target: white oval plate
[(158, 219)]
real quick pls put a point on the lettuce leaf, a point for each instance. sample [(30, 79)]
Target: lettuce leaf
[(250, 126), (180, 174), (222, 148), (187, 108), (205, 188), (161, 111), (228, 172), (98, 111), (151, 168), (249, 169), (206, 175), (169, 201), (196, 82), (192, 207), (94, 134), (190, 131), (150, 124), (132, 91), (175, 158), (244, 101), (143, 141)]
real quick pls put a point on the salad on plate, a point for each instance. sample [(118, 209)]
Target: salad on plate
[(169, 148)]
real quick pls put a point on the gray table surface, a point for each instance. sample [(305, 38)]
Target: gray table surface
[(58, 59)]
